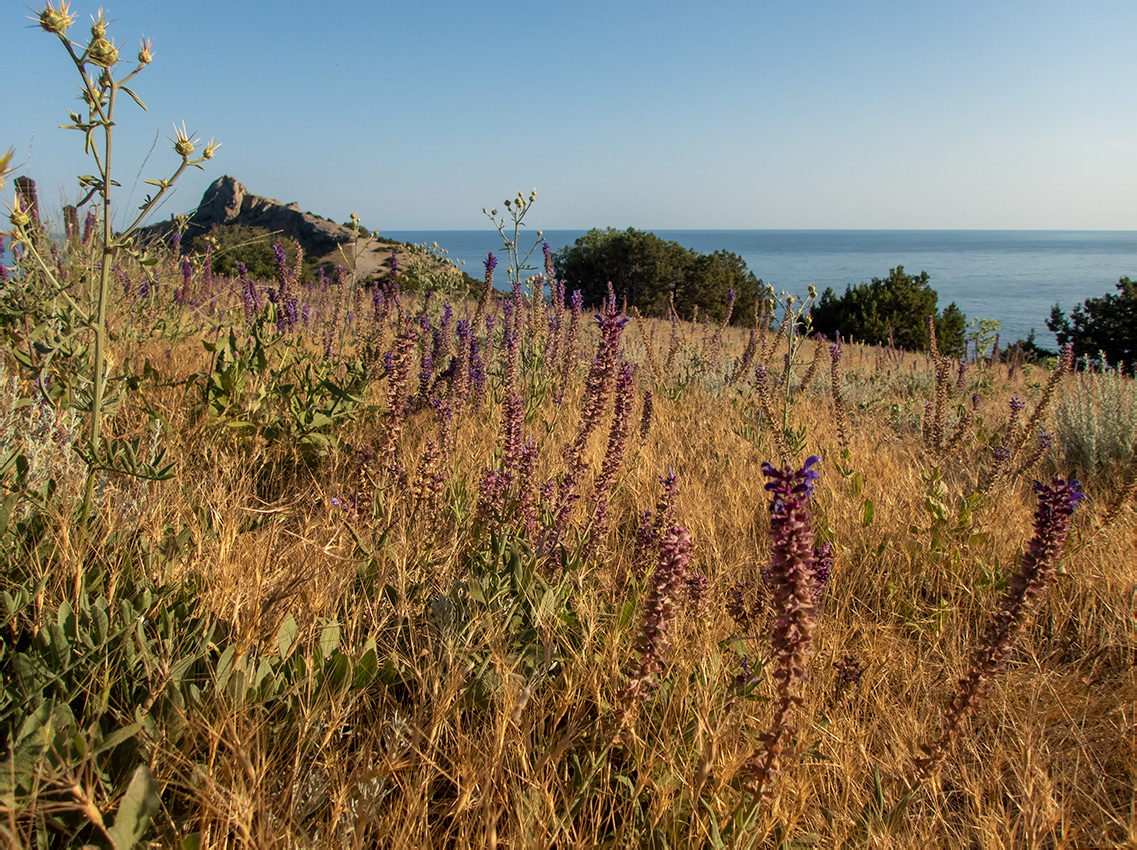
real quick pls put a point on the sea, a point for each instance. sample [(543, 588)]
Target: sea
[(1014, 276)]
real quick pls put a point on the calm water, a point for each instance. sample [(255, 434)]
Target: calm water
[(1010, 275)]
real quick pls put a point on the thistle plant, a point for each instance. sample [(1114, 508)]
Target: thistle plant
[(95, 61), (794, 329), (516, 209)]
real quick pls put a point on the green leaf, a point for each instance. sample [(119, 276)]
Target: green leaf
[(337, 671), (626, 613), (117, 737), (287, 636), (225, 667), (138, 805), (134, 97), (870, 512), (366, 669), (329, 640)]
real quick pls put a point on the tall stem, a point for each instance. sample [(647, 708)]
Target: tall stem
[(98, 377)]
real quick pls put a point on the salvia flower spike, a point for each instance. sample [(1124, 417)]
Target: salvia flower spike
[(1056, 503), (794, 581)]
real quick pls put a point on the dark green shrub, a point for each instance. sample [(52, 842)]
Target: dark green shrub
[(901, 303), (237, 243), (1107, 325), (648, 270)]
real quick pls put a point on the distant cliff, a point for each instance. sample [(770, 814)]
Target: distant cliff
[(326, 243)]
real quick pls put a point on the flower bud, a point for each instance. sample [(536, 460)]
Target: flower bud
[(99, 26), (211, 149), (56, 20), (183, 144), (102, 52), (145, 56), (18, 217)]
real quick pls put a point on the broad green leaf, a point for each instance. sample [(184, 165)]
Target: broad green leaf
[(138, 805), (287, 636)]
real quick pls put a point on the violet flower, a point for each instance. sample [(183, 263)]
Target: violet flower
[(794, 585), (600, 379), (659, 613), (618, 436)]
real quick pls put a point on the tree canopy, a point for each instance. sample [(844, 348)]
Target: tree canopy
[(648, 270), (1107, 324), (900, 302)]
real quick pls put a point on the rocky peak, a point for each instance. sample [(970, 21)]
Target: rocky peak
[(228, 202)]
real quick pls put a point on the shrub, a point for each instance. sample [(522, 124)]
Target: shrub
[(1096, 420), (1107, 325), (648, 270), (237, 243), (898, 304)]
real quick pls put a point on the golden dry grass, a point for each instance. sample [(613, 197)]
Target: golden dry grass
[(465, 749)]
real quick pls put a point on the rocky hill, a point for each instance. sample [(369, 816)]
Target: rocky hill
[(228, 202)]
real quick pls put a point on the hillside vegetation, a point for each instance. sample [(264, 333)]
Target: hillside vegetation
[(309, 563)]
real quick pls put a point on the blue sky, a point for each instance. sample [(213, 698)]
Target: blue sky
[(1006, 115)]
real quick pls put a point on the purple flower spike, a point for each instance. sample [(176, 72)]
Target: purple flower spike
[(793, 581), (1056, 503)]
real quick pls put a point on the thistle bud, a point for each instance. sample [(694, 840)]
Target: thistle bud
[(99, 26), (183, 144), (56, 20), (18, 216), (211, 149), (102, 52), (145, 55)]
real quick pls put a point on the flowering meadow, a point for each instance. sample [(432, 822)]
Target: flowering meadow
[(312, 561)]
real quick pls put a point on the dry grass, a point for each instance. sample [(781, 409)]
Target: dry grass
[(486, 736)]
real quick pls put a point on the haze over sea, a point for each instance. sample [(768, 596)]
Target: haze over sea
[(1014, 276)]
